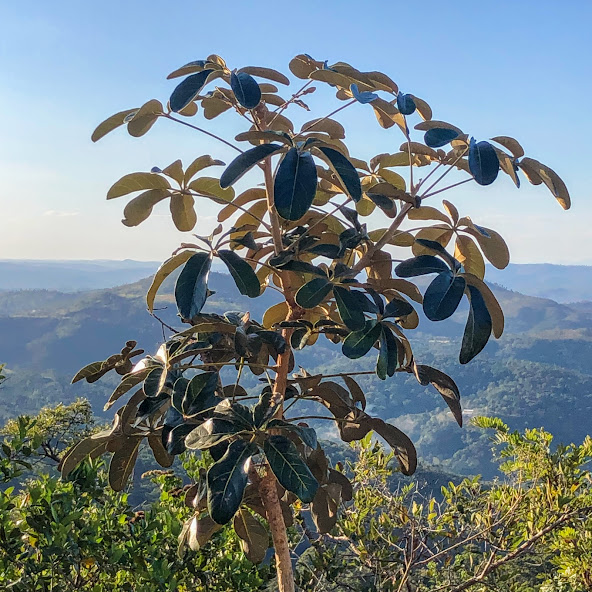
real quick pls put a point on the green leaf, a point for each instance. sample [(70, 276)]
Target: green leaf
[(245, 278), (137, 182), (295, 184), (110, 124), (349, 309), (386, 363), (254, 538), (483, 162), (245, 89), (123, 462), (198, 395), (154, 381), (358, 343), (210, 187), (247, 160), (405, 103), (399, 442), (145, 118), (439, 136), (227, 480), (478, 327), (313, 293), (191, 288), (267, 73), (289, 468), (397, 308), (187, 90), (421, 265), (163, 272), (443, 296), (345, 171), (210, 433)]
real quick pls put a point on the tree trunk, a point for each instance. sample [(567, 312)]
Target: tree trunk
[(275, 519)]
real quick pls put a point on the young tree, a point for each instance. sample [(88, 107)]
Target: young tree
[(298, 229)]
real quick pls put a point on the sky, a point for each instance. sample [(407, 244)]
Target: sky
[(520, 68)]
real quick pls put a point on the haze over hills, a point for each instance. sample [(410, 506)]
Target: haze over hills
[(562, 283), (538, 374)]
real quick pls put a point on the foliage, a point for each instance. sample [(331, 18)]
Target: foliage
[(304, 237)]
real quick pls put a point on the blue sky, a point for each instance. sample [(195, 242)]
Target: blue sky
[(517, 68)]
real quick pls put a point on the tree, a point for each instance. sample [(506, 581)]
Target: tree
[(301, 234)]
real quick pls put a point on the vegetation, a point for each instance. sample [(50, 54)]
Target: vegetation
[(527, 532), (334, 274)]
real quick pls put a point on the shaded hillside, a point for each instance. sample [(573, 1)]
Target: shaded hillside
[(537, 375)]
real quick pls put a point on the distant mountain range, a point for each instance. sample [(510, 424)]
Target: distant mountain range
[(538, 374), (562, 283)]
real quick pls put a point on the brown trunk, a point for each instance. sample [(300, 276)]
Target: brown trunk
[(275, 519)]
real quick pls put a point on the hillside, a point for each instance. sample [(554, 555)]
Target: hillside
[(537, 375)]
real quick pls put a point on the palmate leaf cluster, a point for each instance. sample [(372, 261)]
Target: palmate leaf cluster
[(312, 232)]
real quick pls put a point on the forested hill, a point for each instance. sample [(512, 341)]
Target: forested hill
[(538, 374)]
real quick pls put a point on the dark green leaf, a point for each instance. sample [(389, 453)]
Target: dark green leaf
[(330, 251), (444, 385), (227, 480), (175, 440), (421, 265), (187, 90), (439, 136), (198, 396), (436, 246), (295, 185), (349, 309), (397, 308), (359, 343), (443, 296), (362, 97), (289, 468), (264, 409), (306, 434), (254, 538), (245, 89), (483, 162), (405, 104), (247, 160), (244, 277), (154, 382), (210, 433), (345, 171), (191, 289), (276, 340), (302, 267), (313, 293), (478, 328), (386, 363), (399, 442)]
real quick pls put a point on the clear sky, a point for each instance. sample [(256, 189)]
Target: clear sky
[(519, 68)]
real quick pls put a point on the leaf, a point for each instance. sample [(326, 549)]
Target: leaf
[(438, 137), (210, 187), (303, 65), (313, 293), (421, 265), (399, 442), (244, 277), (358, 343), (75, 455), (362, 97), (190, 68), (493, 246), (163, 272), (349, 309), (154, 381), (267, 73), (198, 396), (245, 89), (493, 306), (110, 124), (255, 137), (122, 463), (137, 182), (405, 104), (444, 385), (433, 124), (145, 118), (227, 480), (386, 364), (550, 178), (289, 468), (275, 314), (128, 382), (307, 435), (443, 296), (243, 163), (330, 126), (252, 534), (187, 90), (191, 287), (397, 308), (510, 144), (478, 327), (344, 170), (469, 256), (483, 162), (200, 163), (200, 531), (139, 209), (355, 390), (183, 212), (210, 433), (162, 457), (324, 508), (427, 213), (295, 184)]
